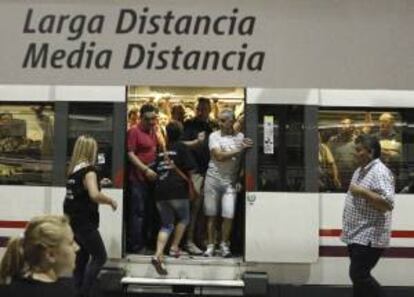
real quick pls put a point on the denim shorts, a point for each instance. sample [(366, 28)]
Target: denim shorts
[(174, 210)]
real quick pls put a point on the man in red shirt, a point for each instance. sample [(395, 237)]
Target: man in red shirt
[(142, 149)]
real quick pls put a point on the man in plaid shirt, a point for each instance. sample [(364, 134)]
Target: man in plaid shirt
[(367, 215)]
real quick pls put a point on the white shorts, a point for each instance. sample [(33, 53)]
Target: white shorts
[(218, 194)]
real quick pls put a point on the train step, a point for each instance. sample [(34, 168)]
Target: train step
[(182, 286), (185, 267)]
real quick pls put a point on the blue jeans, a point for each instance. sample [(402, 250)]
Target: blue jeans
[(138, 194), (89, 259)]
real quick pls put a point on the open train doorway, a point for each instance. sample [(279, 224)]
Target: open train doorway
[(197, 111)]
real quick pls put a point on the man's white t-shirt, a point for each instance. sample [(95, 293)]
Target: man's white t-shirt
[(227, 170)]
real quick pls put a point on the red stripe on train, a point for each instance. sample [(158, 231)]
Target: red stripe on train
[(326, 251), (13, 224), (322, 232), (394, 234), (330, 232), (342, 251), (402, 234)]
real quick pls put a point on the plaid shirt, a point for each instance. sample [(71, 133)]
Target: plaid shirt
[(362, 223)]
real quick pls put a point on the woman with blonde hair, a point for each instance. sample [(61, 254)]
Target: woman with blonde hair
[(33, 264), (83, 195)]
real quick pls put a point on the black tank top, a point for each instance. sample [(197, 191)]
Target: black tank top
[(24, 287), (78, 206)]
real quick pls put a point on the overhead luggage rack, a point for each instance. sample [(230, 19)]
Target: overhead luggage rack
[(182, 286)]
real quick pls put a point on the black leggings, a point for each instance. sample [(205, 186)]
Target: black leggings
[(89, 259)]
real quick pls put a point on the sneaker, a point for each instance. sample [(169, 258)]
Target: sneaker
[(192, 249), (159, 266), (225, 250), (176, 253), (209, 251)]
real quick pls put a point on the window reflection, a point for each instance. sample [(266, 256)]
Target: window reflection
[(339, 128), (26, 143), (96, 120), (283, 169)]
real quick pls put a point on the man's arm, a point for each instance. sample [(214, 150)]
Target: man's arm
[(375, 199), (220, 155), (141, 166), (195, 142), (333, 169)]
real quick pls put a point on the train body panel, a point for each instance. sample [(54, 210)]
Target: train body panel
[(312, 255), (279, 225), (25, 202), (326, 270)]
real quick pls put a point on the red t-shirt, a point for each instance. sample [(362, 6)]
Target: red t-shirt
[(144, 145)]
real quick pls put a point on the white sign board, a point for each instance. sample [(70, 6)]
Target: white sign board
[(264, 43)]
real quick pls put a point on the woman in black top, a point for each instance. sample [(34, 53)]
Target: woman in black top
[(33, 265), (171, 193), (81, 205)]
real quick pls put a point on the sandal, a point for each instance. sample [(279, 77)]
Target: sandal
[(176, 253), (159, 266)]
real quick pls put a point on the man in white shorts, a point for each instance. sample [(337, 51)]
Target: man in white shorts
[(226, 148)]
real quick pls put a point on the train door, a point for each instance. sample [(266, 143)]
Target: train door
[(282, 203), (180, 104)]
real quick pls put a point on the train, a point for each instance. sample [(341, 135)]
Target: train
[(301, 73), (290, 227)]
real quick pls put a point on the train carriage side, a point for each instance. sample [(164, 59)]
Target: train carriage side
[(310, 229), (291, 228), (32, 179)]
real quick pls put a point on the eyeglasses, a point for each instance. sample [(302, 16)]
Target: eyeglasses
[(149, 118)]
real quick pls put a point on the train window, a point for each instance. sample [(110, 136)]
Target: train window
[(26, 143), (280, 145), (338, 129), (94, 119)]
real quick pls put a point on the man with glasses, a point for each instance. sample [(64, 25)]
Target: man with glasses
[(142, 149)]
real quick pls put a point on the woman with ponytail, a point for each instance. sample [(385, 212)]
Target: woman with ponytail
[(83, 195), (34, 264)]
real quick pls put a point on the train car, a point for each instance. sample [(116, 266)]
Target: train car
[(290, 223), (307, 76)]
